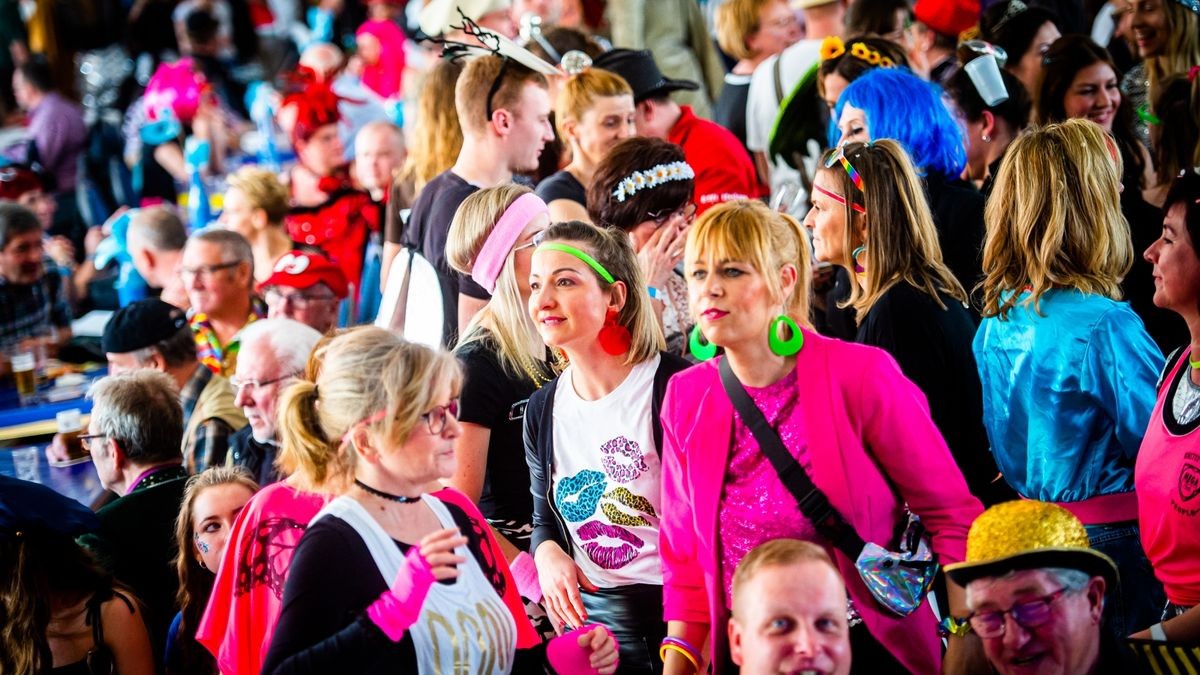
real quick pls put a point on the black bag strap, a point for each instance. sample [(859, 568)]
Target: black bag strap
[(813, 503)]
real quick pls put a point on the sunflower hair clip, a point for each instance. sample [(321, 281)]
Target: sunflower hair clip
[(832, 47)]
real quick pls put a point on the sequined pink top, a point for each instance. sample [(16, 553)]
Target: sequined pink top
[(755, 505)]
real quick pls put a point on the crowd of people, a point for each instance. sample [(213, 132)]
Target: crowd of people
[(758, 336)]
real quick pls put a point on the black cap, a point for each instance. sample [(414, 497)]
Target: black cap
[(141, 324), (27, 507), (638, 68)]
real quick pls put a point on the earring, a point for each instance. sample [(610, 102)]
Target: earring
[(985, 138), (858, 268), (614, 338), (789, 346), (699, 347)]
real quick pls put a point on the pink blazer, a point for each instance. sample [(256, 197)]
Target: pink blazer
[(873, 448)]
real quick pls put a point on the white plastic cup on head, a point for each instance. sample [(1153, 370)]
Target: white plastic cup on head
[(985, 75), (25, 461)]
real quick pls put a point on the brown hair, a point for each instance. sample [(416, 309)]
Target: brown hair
[(196, 581), (749, 231), (471, 90), (903, 241), (1054, 218), (850, 67), (1182, 50), (361, 372), (436, 148), (1176, 139), (777, 552), (612, 249), (579, 92), (635, 154)]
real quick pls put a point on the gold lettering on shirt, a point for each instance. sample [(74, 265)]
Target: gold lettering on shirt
[(491, 631)]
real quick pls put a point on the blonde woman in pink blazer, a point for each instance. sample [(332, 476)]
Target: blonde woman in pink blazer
[(861, 430)]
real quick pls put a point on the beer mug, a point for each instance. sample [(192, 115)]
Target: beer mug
[(70, 428), (24, 367)]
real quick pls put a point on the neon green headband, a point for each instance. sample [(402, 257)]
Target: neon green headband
[(591, 262)]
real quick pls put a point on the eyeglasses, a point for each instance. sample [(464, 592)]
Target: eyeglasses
[(86, 441), (238, 382), (436, 419), (205, 271), (687, 212), (1027, 615), (301, 301)]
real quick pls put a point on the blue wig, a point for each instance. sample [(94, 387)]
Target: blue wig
[(907, 109)]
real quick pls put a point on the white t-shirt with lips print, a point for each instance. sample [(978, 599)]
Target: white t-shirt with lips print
[(607, 479)]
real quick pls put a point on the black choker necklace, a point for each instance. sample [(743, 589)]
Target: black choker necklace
[(386, 495)]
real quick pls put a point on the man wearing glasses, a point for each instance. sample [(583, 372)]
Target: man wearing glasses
[(217, 270), (306, 287), (1036, 593), (274, 353)]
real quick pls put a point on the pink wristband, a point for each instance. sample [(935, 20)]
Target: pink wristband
[(567, 657), (398, 607), (526, 575)]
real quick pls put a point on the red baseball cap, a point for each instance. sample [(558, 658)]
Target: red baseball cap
[(298, 269), (948, 17)]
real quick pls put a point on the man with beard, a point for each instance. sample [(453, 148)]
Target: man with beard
[(33, 304)]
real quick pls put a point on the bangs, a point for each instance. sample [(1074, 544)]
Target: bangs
[(728, 234)]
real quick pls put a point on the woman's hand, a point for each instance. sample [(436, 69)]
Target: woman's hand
[(661, 253), (61, 251), (603, 648), (438, 551), (561, 580)]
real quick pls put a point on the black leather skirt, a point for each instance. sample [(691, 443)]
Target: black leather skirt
[(634, 615)]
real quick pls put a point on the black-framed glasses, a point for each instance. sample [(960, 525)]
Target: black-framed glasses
[(206, 271), (85, 441), (687, 212), (275, 296), (1029, 614), (435, 419), (238, 382)]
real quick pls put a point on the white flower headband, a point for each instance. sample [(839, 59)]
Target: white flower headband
[(652, 177)]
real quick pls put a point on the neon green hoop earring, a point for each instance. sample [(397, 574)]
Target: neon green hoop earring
[(787, 347), (699, 348)]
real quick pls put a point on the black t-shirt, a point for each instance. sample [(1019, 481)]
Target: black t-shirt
[(562, 185), (428, 227), (495, 399), (730, 109), (933, 347), (957, 209), (323, 627)]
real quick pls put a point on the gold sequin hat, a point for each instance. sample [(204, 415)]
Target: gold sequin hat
[(1027, 534)]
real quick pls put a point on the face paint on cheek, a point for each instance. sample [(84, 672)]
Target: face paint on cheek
[(203, 547)]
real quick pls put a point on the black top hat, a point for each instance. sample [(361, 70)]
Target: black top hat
[(638, 68)]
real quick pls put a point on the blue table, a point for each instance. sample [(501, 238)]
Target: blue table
[(79, 481), (18, 422)]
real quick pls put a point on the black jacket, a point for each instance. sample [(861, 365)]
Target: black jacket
[(258, 458), (539, 450)]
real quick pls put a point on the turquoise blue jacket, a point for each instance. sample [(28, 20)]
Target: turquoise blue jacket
[(1067, 395)]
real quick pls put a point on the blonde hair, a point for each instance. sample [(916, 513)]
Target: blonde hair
[(737, 20), (777, 553), (194, 586), (903, 242), (263, 190), (1054, 218), (361, 372), (436, 148), (749, 231), (612, 249), (1182, 50), (504, 322), (471, 90), (579, 92)]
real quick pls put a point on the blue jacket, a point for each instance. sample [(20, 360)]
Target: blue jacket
[(1067, 395)]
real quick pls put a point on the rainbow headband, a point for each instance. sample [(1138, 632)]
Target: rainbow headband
[(499, 243), (652, 178)]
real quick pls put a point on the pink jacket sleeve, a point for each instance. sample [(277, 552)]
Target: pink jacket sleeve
[(684, 595), (912, 454)]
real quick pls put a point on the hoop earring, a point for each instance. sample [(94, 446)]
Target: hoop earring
[(614, 338), (859, 269), (790, 346), (699, 348)]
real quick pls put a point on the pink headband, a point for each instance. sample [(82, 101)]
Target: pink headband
[(500, 242)]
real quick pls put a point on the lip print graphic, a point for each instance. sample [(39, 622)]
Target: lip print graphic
[(623, 460), (626, 498), (1189, 481), (577, 496), (608, 556)]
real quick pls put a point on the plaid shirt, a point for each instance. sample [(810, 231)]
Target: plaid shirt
[(221, 359), (210, 443), (30, 310)]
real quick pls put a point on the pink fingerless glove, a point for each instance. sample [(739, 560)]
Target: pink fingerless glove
[(399, 606), (525, 574), (566, 656)]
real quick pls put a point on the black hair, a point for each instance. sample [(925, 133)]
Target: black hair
[(36, 71), (201, 26), (16, 220), (1014, 110), (639, 153), (1185, 189), (1013, 31), (874, 16)]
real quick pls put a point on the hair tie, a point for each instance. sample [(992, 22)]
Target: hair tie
[(652, 178), (498, 245)]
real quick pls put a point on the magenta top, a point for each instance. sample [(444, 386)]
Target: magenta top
[(756, 506)]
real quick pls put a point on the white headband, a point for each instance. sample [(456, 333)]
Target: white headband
[(652, 177)]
